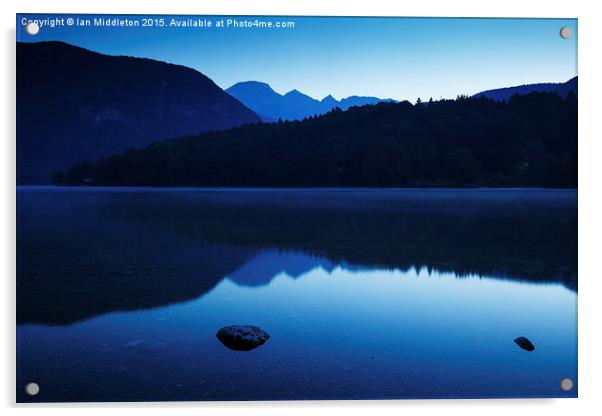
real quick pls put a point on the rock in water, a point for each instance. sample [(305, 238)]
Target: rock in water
[(242, 337), (524, 343)]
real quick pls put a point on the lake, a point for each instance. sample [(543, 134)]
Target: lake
[(366, 294)]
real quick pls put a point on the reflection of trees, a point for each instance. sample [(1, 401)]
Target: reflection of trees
[(532, 236), (81, 254)]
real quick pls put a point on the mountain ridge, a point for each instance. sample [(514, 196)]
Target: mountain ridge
[(292, 105), (74, 104), (505, 93)]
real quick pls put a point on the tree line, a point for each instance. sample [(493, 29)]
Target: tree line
[(530, 140)]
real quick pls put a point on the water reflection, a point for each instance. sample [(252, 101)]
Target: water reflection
[(84, 252), (365, 294), (335, 333)]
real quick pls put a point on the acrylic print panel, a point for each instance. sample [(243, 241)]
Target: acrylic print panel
[(274, 208)]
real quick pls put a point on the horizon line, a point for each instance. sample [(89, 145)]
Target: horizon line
[(441, 97)]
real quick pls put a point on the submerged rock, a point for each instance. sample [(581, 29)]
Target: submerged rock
[(242, 337), (524, 343)]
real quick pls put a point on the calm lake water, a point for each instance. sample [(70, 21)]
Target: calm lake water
[(366, 294)]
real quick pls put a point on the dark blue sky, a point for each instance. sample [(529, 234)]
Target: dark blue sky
[(402, 58)]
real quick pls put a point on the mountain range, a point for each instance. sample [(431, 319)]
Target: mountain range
[(74, 104), (294, 105), (504, 94)]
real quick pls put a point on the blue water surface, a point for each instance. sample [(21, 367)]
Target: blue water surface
[(367, 294)]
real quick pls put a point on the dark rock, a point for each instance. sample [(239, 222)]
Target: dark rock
[(524, 343), (242, 337)]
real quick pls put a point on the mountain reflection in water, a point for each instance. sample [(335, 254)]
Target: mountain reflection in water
[(365, 294), (88, 251)]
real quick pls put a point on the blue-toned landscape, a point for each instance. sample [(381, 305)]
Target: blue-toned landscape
[(188, 230), (365, 293)]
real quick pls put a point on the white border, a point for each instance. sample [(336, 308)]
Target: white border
[(590, 206)]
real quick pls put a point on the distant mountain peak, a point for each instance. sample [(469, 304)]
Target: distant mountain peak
[(329, 99), (247, 88), (295, 92), (257, 84), (294, 105)]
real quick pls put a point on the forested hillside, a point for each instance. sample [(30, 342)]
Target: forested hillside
[(530, 140)]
